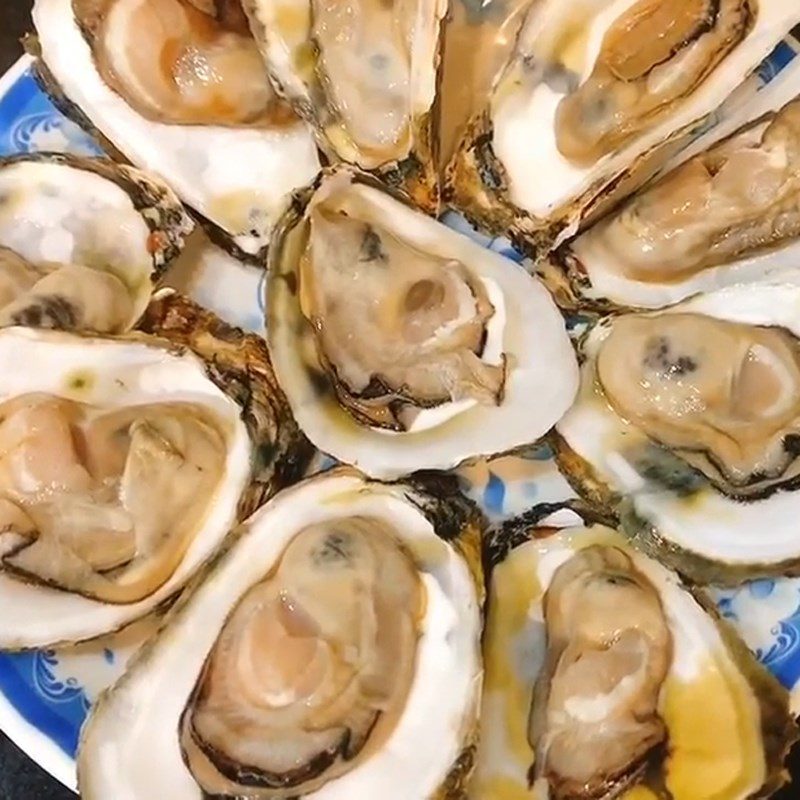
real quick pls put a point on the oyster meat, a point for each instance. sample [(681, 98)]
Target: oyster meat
[(729, 215), (606, 677), (82, 242), (689, 418), (403, 345), (179, 88), (123, 468), (364, 74), (308, 660), (594, 97)]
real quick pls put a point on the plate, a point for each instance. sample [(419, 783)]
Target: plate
[(46, 694)]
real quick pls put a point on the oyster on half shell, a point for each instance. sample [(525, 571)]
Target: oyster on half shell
[(123, 467), (178, 88), (594, 97), (687, 421), (333, 651), (83, 242), (729, 215), (364, 74), (403, 345), (607, 678)]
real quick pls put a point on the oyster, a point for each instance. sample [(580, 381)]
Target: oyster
[(180, 91), (364, 74), (594, 98), (403, 345), (606, 677), (729, 215), (309, 658), (123, 468), (82, 242), (687, 421)]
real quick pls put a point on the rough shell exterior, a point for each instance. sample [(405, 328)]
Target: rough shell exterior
[(239, 364)]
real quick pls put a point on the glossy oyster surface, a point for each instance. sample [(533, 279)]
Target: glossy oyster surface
[(124, 466), (179, 89), (729, 215), (689, 416), (83, 242), (309, 659), (593, 96), (403, 345), (364, 74), (606, 677)]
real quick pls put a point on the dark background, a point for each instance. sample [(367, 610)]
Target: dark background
[(20, 778)]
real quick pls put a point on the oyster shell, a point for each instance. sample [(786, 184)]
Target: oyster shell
[(183, 94), (729, 215), (310, 656), (686, 423), (124, 467), (606, 677), (82, 242), (402, 345), (364, 74), (597, 96)]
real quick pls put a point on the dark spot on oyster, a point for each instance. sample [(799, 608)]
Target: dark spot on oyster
[(53, 313), (372, 247), (663, 468), (379, 62), (659, 358), (335, 551)]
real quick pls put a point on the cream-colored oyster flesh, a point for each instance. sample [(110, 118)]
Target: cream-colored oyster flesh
[(177, 64), (364, 73), (404, 331), (729, 215), (328, 642), (309, 659), (597, 97), (650, 57), (594, 714), (403, 345), (106, 504), (687, 422), (633, 687), (179, 89), (723, 394), (121, 470), (82, 242)]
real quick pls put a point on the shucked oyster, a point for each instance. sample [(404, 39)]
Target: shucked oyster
[(178, 88), (691, 417), (364, 74), (729, 215), (606, 678), (123, 466), (333, 651), (82, 242), (403, 345), (591, 95)]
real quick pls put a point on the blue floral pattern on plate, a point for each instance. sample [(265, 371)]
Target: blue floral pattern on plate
[(49, 692)]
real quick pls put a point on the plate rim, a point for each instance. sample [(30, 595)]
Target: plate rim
[(27, 737)]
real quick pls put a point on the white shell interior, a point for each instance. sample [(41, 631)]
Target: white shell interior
[(131, 747), (236, 177), (113, 374), (541, 180), (709, 523), (542, 374)]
